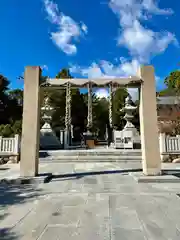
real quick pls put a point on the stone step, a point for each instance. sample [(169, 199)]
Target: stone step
[(91, 153), (91, 159)]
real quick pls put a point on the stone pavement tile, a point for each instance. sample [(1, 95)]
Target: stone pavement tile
[(155, 222), (148, 188), (166, 188), (91, 180), (155, 233), (95, 220), (59, 233), (66, 216), (35, 222), (129, 166), (90, 184), (81, 167), (125, 188), (121, 200), (15, 214), (96, 204), (12, 171), (126, 218), (91, 167), (72, 200), (56, 168), (74, 186), (109, 185), (119, 178), (56, 186), (64, 186), (53, 209), (96, 209), (94, 232), (127, 234), (170, 206)]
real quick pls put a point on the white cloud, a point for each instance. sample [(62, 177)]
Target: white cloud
[(105, 69), (130, 10), (152, 6), (92, 71), (84, 28), (102, 93), (44, 67), (68, 29), (141, 42)]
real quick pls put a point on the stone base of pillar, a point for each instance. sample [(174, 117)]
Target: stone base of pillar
[(67, 139), (164, 158), (48, 139), (151, 171), (130, 131), (167, 178)]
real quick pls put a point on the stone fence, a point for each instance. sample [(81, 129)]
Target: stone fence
[(10, 146), (168, 145)]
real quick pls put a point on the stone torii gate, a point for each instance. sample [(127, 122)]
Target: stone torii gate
[(145, 81)]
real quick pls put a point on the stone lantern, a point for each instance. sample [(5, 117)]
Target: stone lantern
[(48, 139), (130, 133)]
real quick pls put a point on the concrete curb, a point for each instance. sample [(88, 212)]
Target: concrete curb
[(27, 180), (141, 178)]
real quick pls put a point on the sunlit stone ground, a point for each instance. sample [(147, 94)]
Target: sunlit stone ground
[(100, 205)]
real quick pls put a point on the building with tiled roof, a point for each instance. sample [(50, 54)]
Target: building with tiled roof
[(168, 111)]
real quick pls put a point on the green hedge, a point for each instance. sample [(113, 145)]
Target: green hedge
[(9, 130)]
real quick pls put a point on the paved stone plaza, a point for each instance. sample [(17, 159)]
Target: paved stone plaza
[(93, 201)]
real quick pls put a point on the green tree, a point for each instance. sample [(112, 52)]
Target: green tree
[(15, 107), (6, 130), (136, 120), (58, 102), (4, 82), (4, 100), (118, 103), (64, 73), (16, 94), (173, 82), (166, 92), (10, 108)]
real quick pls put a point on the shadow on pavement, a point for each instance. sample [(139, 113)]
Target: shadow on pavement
[(7, 234), (4, 168), (70, 176), (14, 195), (43, 154), (174, 172)]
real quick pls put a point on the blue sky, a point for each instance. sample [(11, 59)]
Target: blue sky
[(93, 38)]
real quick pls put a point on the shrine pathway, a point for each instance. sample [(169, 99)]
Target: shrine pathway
[(96, 202)]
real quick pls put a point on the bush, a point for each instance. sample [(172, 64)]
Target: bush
[(6, 130), (9, 130), (17, 127)]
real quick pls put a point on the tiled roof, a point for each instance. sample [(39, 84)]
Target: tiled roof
[(168, 100)]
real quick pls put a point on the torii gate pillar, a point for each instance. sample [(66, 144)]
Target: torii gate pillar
[(151, 161), (31, 123)]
